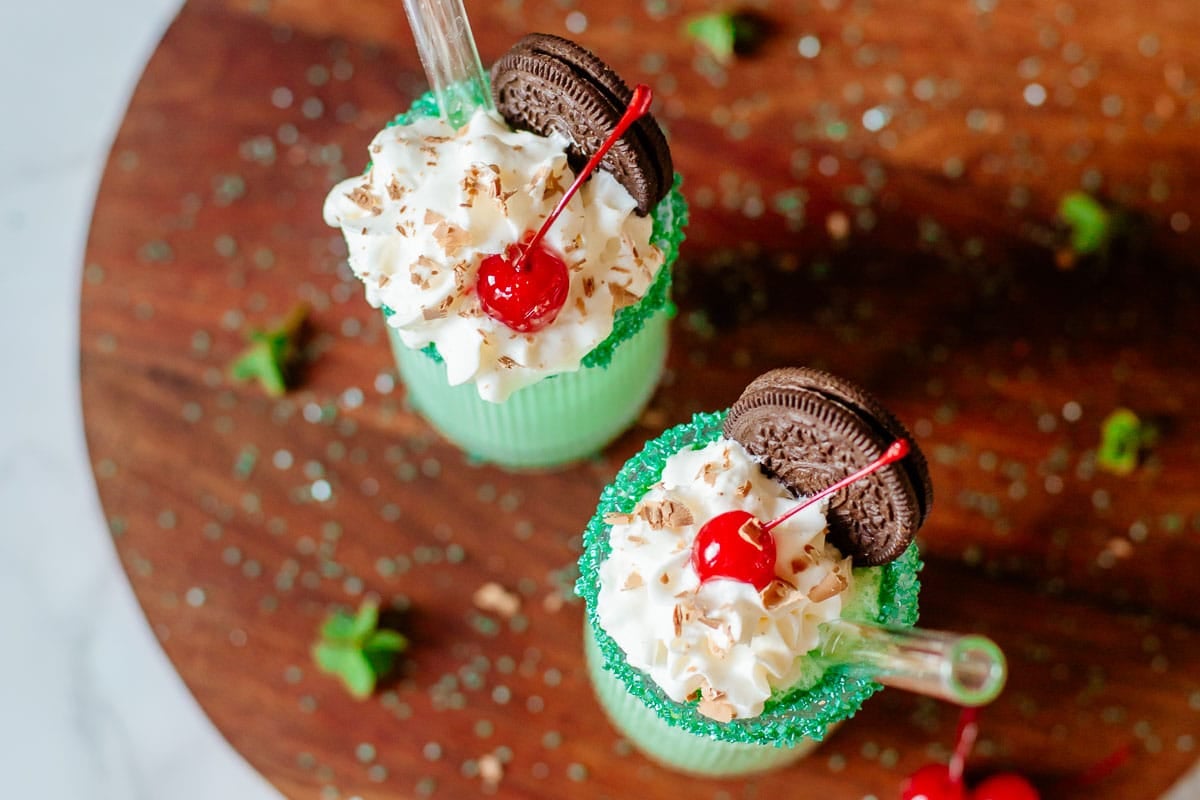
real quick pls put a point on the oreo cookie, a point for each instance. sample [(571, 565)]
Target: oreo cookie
[(547, 84), (810, 429)]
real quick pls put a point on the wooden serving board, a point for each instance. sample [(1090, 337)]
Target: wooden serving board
[(873, 192)]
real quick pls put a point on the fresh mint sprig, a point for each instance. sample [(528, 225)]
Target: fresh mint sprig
[(354, 649), (724, 33), (1089, 226), (1123, 438), (272, 353)]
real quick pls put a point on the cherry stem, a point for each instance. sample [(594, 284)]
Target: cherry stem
[(968, 732), (896, 451), (639, 104)]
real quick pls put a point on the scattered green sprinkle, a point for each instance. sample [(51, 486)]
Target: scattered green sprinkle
[(353, 648), (272, 353)]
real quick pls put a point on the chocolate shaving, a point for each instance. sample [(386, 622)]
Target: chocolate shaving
[(589, 286), (634, 581), (362, 197), (461, 275), (621, 296), (779, 594), (665, 514), (451, 237), (683, 614), (432, 217), (493, 597), (395, 190), (832, 584), (508, 362), (714, 705), (752, 532), (617, 518), (708, 473), (744, 489)]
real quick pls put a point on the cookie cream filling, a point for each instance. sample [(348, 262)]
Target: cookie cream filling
[(722, 638), (437, 201)]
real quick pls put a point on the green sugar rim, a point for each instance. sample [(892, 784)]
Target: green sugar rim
[(789, 716), (668, 217)]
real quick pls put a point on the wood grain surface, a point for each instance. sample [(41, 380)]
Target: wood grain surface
[(873, 192)]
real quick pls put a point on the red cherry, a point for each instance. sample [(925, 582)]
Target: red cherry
[(526, 287), (932, 782), (524, 291), (726, 547), (1005, 786)]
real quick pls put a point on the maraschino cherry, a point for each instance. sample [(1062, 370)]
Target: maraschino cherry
[(737, 546), (932, 782), (526, 286), (1005, 786), (945, 781)]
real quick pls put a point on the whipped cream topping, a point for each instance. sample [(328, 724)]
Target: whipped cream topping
[(437, 201), (723, 638)]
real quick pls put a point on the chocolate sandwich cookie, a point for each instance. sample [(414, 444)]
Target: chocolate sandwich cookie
[(810, 429), (547, 84)]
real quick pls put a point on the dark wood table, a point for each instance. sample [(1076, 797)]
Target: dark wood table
[(873, 191)]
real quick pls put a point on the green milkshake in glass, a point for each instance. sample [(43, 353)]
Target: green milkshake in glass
[(527, 339), (734, 618)]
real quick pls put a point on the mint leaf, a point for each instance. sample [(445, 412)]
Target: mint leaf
[(340, 628), (1123, 437), (1089, 224), (330, 658), (358, 675), (386, 642), (725, 34), (353, 649), (366, 620), (272, 353), (715, 32)]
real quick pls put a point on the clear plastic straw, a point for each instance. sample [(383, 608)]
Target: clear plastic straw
[(451, 61), (966, 669)]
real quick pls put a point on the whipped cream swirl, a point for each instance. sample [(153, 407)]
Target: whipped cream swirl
[(437, 201), (723, 638)]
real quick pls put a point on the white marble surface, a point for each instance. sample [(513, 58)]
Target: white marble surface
[(90, 709)]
